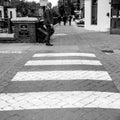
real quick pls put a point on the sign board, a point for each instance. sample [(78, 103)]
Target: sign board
[(43, 2)]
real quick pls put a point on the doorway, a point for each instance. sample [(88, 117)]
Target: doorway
[(94, 12)]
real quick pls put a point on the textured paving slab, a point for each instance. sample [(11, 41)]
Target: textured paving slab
[(45, 86), (8, 52), (52, 100), (64, 114), (62, 75), (78, 99), (64, 54), (63, 67), (62, 62)]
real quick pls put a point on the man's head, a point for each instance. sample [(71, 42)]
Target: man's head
[(49, 4)]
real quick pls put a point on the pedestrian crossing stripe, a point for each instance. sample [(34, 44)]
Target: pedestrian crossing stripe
[(10, 52), (62, 75), (63, 54), (56, 100), (60, 99), (61, 34), (62, 62)]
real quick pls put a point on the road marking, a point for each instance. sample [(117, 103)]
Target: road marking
[(63, 54), (62, 62), (61, 34), (8, 52), (52, 100), (62, 75), (60, 99)]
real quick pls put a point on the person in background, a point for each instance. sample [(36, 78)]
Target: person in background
[(65, 19), (69, 19), (73, 17), (59, 19), (48, 22)]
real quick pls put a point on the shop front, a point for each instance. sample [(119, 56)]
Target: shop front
[(115, 17)]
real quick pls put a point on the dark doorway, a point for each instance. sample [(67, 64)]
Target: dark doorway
[(94, 12), (115, 17)]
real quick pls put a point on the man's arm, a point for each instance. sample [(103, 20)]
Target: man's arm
[(51, 17), (45, 18)]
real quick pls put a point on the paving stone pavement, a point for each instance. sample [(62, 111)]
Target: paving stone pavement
[(73, 80)]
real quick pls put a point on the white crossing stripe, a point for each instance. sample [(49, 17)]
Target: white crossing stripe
[(61, 34), (52, 100), (63, 54), (9, 51), (62, 62), (62, 75)]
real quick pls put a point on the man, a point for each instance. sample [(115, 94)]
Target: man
[(65, 19), (48, 21), (69, 19)]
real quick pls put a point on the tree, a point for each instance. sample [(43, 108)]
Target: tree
[(55, 11), (61, 10), (72, 9), (26, 8)]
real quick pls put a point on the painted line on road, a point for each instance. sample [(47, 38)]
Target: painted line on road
[(57, 100), (63, 54), (62, 75), (60, 34), (8, 52), (62, 62)]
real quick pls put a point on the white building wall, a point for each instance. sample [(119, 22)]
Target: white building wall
[(103, 23), (13, 10), (103, 19), (2, 10), (87, 13)]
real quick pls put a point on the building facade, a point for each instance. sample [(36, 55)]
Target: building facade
[(6, 10), (97, 15), (1, 12), (115, 17), (102, 15), (78, 4), (64, 7), (69, 6), (6, 13)]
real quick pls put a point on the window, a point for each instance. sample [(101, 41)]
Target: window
[(0, 14), (94, 12), (115, 16), (10, 14)]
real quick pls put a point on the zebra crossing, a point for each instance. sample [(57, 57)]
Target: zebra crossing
[(62, 62), (61, 99), (61, 75)]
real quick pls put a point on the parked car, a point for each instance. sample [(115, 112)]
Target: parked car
[(80, 22)]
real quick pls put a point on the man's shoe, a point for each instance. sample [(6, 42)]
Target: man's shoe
[(49, 44)]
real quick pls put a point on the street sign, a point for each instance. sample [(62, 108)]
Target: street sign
[(43, 2)]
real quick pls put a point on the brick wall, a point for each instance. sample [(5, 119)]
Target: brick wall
[(20, 34)]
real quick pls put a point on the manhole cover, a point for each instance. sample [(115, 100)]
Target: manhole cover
[(108, 51)]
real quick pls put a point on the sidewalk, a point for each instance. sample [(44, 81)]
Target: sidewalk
[(72, 80), (110, 43)]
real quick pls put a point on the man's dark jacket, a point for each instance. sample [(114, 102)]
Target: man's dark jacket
[(48, 17)]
